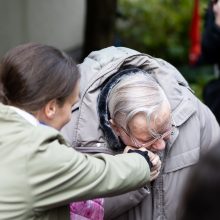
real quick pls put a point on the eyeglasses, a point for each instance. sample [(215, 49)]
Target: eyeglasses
[(154, 139)]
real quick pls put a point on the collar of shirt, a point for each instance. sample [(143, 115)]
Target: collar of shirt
[(28, 117)]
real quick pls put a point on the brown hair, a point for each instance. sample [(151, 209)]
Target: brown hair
[(33, 74)]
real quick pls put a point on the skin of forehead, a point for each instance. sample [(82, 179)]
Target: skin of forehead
[(138, 125)]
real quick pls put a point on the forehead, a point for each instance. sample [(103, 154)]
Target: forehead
[(138, 125)]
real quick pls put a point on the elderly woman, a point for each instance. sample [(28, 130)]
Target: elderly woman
[(142, 101)]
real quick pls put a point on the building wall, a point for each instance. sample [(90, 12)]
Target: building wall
[(12, 29), (54, 22)]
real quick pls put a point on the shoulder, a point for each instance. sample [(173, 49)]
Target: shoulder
[(100, 59), (46, 140)]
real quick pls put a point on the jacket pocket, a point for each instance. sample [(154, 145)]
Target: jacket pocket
[(180, 161)]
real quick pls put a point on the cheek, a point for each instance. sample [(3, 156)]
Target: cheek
[(66, 120), (68, 114)]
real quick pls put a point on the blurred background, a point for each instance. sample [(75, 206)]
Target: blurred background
[(161, 28)]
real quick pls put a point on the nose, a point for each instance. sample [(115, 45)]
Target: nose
[(158, 145)]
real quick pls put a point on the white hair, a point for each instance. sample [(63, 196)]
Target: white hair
[(135, 93)]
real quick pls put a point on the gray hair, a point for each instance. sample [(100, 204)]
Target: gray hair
[(135, 93)]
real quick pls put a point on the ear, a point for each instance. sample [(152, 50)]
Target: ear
[(50, 109), (114, 127), (47, 113)]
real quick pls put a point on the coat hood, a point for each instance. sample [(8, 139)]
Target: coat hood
[(102, 107), (90, 130)]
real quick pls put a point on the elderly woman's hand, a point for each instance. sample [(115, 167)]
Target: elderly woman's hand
[(154, 159), (156, 162)]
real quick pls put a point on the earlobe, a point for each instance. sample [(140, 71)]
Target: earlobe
[(114, 127)]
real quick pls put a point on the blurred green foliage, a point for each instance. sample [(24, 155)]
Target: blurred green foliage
[(161, 29), (157, 27), (197, 77)]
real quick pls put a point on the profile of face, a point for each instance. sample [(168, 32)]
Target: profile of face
[(216, 9), (140, 134), (56, 115)]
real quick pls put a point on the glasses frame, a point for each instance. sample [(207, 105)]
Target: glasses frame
[(149, 143)]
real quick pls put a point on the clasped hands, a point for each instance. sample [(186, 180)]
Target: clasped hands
[(154, 159)]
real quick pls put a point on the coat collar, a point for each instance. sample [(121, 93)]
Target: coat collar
[(28, 117), (101, 65)]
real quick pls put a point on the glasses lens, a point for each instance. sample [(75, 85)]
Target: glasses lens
[(165, 136)]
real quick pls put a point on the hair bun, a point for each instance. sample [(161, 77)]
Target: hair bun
[(3, 98)]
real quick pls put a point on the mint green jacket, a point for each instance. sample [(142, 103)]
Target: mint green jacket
[(40, 175)]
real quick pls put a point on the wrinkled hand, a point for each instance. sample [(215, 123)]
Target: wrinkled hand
[(154, 158)]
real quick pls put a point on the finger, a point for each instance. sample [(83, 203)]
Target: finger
[(157, 166), (142, 149), (152, 156), (127, 148), (153, 172), (156, 160), (154, 175)]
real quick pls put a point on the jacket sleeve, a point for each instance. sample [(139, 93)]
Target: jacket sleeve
[(58, 175), (125, 202)]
